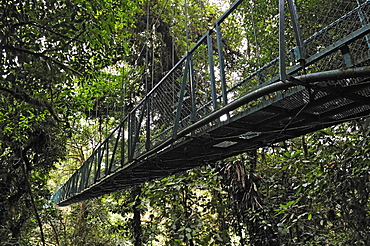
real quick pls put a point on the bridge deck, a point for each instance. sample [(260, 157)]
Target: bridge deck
[(331, 86), (295, 112)]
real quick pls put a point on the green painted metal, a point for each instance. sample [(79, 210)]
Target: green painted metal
[(222, 64), (130, 137), (282, 48), (363, 20), (212, 70), (181, 98), (300, 52), (192, 88), (156, 123), (148, 122), (138, 125)]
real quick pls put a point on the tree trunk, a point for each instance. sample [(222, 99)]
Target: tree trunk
[(260, 235), (187, 210), (136, 221), (222, 221)]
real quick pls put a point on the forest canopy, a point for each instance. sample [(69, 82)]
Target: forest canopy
[(71, 70)]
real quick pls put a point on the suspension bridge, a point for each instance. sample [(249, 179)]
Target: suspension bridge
[(209, 107)]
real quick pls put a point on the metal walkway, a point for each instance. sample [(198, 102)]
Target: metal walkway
[(209, 107)]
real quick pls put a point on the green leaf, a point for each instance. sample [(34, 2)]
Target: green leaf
[(284, 168), (309, 216)]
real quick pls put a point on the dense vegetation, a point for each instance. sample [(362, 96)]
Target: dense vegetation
[(71, 69)]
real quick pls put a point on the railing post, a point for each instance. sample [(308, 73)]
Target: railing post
[(212, 70), (83, 176), (72, 187), (73, 190), (93, 168), (222, 64), (148, 120), (300, 54), (123, 149), (181, 99), (112, 160), (98, 162), (88, 171), (364, 22), (67, 189), (282, 65), (346, 56), (192, 89), (106, 171), (138, 126), (130, 136), (79, 178)]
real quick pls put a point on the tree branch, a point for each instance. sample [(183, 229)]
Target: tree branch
[(26, 98), (41, 55), (26, 176), (64, 45), (70, 40), (33, 23)]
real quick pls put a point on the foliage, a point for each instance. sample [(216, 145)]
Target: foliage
[(71, 70), (187, 209), (45, 45), (318, 190), (31, 143)]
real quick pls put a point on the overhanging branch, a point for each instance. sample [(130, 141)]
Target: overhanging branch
[(40, 55), (33, 23), (26, 98)]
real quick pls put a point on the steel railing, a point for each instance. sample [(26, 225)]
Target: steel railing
[(202, 83)]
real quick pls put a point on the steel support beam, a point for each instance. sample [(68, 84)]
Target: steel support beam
[(297, 32), (282, 49), (222, 64), (192, 89), (180, 100), (212, 70)]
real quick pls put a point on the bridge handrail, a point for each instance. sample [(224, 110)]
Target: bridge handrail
[(203, 38), (140, 115)]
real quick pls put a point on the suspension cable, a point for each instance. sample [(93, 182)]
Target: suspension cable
[(153, 60), (186, 25), (144, 45), (160, 14), (255, 34), (147, 49)]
